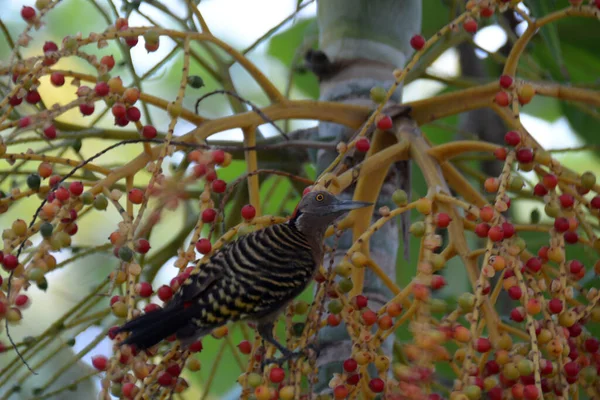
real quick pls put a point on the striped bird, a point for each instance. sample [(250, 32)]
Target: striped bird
[(252, 278)]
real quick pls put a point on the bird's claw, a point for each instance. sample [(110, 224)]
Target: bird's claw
[(291, 355)]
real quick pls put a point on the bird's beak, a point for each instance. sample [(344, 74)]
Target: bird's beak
[(347, 205)]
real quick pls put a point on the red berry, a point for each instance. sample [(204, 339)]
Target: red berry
[(248, 211), (350, 365), (506, 82), (483, 345), (340, 392), (525, 155), (502, 99), (571, 237), (508, 229), (442, 220), (57, 79), (566, 200), (482, 229), (245, 347), (131, 41), (76, 188), (417, 42), (353, 379), (470, 25), (496, 233), (515, 292), (108, 61), (164, 292), (203, 246), (437, 282), (333, 320), (133, 114), (540, 190), (534, 264), (86, 109), (531, 392), (575, 266), (15, 100), (555, 306), (219, 186), (517, 314), (149, 132), (595, 202), (369, 317), (33, 97), (62, 194), (500, 153), (196, 346), (209, 215), (385, 123), (102, 89), (376, 385), (136, 196), (121, 121), (174, 370), (550, 181), (100, 363), (50, 132), (119, 110), (199, 170), (572, 368), (22, 300), (363, 145), (49, 46), (164, 379), (276, 375), (360, 301), (142, 246), (561, 224), (592, 345), (144, 289), (28, 13), (218, 157), (211, 175)]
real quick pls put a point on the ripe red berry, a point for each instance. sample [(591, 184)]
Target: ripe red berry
[(350, 365), (571, 237), (385, 123), (62, 194), (496, 233), (333, 320), (500, 153), (50, 132), (534, 264), (149, 132), (15, 100), (417, 42), (219, 186), (196, 346), (277, 375), (531, 392), (572, 368), (470, 25), (49, 46), (28, 13), (142, 246), (203, 246), (369, 317), (525, 155), (164, 293), (363, 145), (360, 301), (245, 347), (376, 385), (136, 196), (119, 110), (209, 215), (248, 212), (561, 224), (482, 229), (22, 300), (550, 181), (108, 61), (515, 292), (437, 282), (517, 314), (218, 157), (211, 175), (102, 89), (340, 392), (506, 81), (592, 345), (540, 190), (442, 220), (353, 379), (131, 41), (483, 345), (595, 202), (566, 200), (100, 362), (76, 188), (575, 266), (502, 99), (555, 306), (164, 379), (133, 114), (199, 170), (57, 79), (33, 97), (512, 138), (86, 109), (508, 229)]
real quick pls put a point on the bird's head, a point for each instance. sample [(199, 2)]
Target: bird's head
[(318, 209)]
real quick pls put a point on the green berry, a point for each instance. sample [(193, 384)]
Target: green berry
[(254, 379), (516, 183), (525, 367), (466, 301), (378, 94), (345, 285), (588, 180), (400, 198), (125, 253), (101, 202), (335, 306), (298, 328), (46, 229), (438, 306), (417, 229), (34, 181), (87, 198), (301, 307), (195, 81)]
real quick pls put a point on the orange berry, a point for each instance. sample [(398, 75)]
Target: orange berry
[(462, 334), (491, 185), (394, 310)]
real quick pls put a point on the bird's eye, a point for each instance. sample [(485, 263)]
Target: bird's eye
[(319, 197)]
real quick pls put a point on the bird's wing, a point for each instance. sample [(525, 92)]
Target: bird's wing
[(200, 280)]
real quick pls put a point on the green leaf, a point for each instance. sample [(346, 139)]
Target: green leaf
[(549, 32), (285, 45)]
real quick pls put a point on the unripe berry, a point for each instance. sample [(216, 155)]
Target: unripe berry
[(502, 99)]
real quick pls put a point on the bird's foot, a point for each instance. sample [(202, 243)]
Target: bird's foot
[(292, 355)]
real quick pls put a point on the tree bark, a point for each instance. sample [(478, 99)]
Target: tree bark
[(364, 41)]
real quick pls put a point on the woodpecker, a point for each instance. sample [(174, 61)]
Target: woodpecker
[(252, 278)]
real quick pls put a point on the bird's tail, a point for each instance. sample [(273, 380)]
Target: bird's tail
[(149, 329)]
